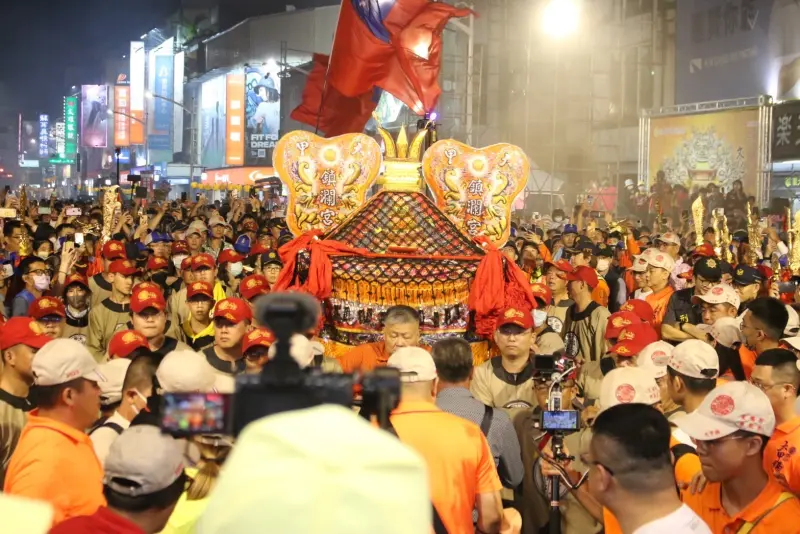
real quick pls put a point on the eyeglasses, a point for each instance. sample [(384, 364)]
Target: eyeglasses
[(714, 443), (765, 387), (38, 272)]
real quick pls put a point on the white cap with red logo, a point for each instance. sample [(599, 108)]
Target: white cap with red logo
[(662, 260), (719, 294), (627, 385), (670, 238), (695, 359), (639, 264), (654, 358), (730, 407)]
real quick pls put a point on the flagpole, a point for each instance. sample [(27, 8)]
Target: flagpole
[(328, 69)]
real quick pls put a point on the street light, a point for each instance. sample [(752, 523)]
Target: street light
[(112, 112), (561, 18)]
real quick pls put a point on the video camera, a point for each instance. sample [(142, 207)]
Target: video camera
[(281, 386), (556, 368)]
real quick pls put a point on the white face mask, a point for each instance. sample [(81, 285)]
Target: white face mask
[(41, 282), (178, 260), (235, 268), (539, 317)]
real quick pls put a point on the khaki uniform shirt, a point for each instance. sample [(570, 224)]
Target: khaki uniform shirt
[(100, 288), (13, 416), (105, 320), (77, 329)]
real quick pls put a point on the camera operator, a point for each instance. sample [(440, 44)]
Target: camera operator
[(631, 471), (453, 360), (461, 467), (506, 381), (532, 501)]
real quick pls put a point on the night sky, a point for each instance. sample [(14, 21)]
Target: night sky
[(40, 40)]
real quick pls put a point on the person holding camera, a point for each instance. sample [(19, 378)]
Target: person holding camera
[(460, 462), (144, 478)]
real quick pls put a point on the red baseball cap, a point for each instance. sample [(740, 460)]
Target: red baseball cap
[(23, 331), (641, 308), (584, 274), (154, 263), (542, 292), (515, 316), (114, 250), (123, 267), (259, 249), (200, 288), (180, 247), (144, 296), (229, 256), (250, 226), (618, 321), (254, 285), (234, 310), (186, 264), (44, 306), (633, 339), (76, 278), (562, 265), (258, 337), (704, 250), (203, 261), (124, 342)]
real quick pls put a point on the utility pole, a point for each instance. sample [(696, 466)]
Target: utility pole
[(117, 151)]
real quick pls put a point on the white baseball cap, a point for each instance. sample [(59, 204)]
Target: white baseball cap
[(662, 260), (669, 237), (639, 264), (300, 349), (654, 358), (627, 385), (719, 294), (793, 324), (62, 360), (185, 371), (114, 371), (279, 470), (216, 221), (695, 359), (793, 342), (730, 407), (142, 454), (197, 227), (414, 363), (727, 331)]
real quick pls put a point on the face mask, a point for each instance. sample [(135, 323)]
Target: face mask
[(178, 260), (235, 268), (558, 219), (603, 264), (539, 317), (41, 282), (77, 302), (43, 255)]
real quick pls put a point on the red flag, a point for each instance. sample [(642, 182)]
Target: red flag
[(362, 51), (418, 53), (334, 114)]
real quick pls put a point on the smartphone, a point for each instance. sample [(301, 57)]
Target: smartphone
[(8, 213), (72, 212), (69, 246), (589, 199), (763, 223), (787, 287), (184, 196), (144, 220), (197, 198), (43, 210), (78, 239), (186, 414)]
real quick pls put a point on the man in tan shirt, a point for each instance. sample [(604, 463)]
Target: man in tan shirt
[(100, 284), (113, 313)]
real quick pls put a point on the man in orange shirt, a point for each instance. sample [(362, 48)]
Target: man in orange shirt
[(400, 329), (659, 267), (54, 460), (776, 373), (731, 428), (460, 464)]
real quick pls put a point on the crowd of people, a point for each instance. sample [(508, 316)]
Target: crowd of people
[(685, 380)]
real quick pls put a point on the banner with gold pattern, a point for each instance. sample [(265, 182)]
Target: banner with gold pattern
[(327, 179)]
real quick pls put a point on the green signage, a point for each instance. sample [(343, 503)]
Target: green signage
[(70, 129), (61, 161)]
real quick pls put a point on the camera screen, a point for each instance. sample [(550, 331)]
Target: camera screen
[(195, 413), (561, 420), (544, 363)]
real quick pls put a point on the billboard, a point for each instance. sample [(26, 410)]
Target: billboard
[(122, 109), (177, 111), (212, 123), (137, 80), (60, 139), (44, 135), (736, 49), (70, 126), (695, 150), (238, 175), (94, 116), (262, 113), (234, 126), (161, 118)]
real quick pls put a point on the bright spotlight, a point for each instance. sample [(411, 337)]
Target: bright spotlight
[(149, 94), (109, 112), (561, 17)]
